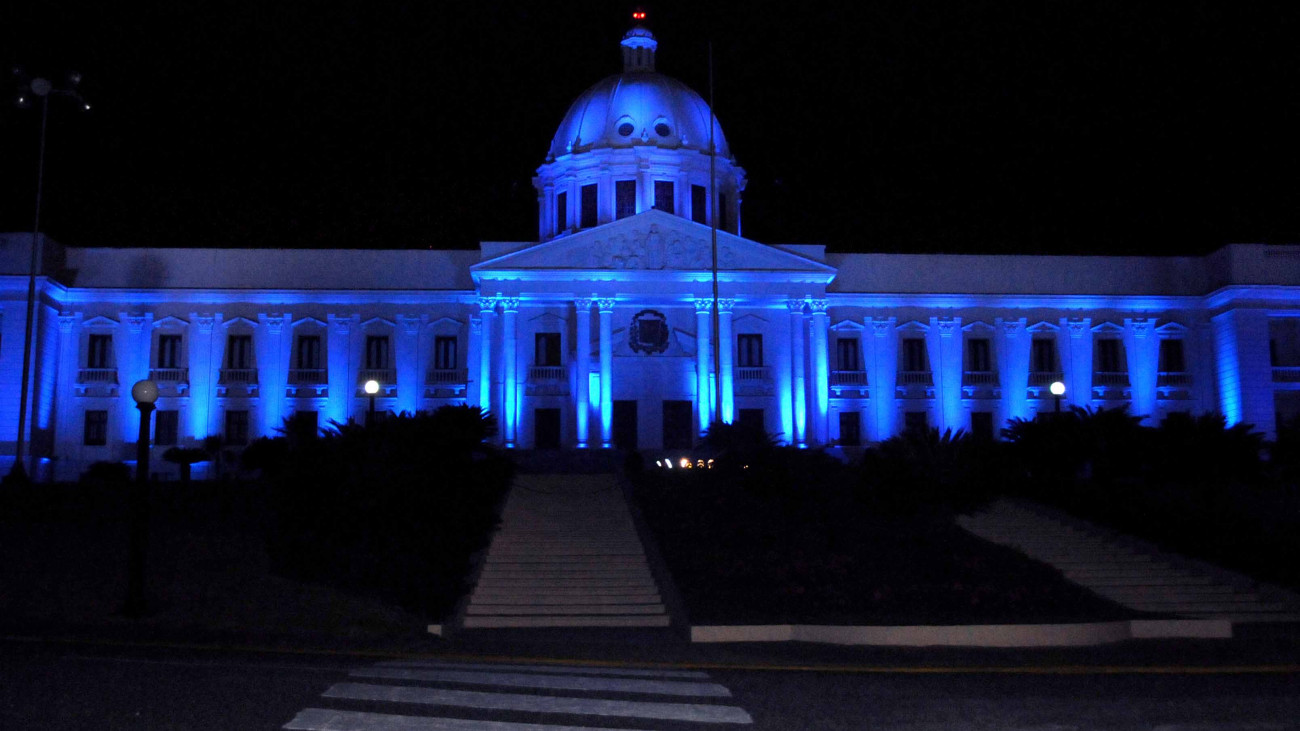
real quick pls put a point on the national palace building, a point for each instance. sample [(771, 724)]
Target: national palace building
[(601, 334)]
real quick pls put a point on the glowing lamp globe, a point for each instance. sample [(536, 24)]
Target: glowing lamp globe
[(372, 387), (144, 392), (1057, 388)]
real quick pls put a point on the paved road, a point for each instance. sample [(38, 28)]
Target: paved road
[(66, 687)]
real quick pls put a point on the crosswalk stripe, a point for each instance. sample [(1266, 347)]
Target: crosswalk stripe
[(698, 713), (550, 682), (321, 719), (548, 669)]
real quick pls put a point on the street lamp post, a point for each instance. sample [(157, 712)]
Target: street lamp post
[(43, 89), (1058, 390), (145, 394), (372, 388)]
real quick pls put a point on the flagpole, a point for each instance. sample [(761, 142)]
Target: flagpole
[(713, 235)]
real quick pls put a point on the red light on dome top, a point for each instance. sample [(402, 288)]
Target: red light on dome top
[(638, 15)]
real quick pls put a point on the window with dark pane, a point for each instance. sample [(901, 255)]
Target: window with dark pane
[(169, 351), (239, 352), (376, 352), (1044, 355), (846, 354), (699, 204), (95, 431), (99, 351), (913, 354), (624, 198), (561, 212), (166, 427), (1171, 356), (749, 350), (444, 352), (977, 355), (590, 214), (237, 426), (664, 196), (546, 349)]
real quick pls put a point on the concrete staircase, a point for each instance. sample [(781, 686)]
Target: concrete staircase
[(567, 555), (1128, 571)]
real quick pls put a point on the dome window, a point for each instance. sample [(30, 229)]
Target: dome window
[(663, 129), (626, 128)]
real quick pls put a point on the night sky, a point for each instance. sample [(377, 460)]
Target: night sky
[(982, 127)]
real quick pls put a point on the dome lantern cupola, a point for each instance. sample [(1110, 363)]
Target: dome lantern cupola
[(639, 47), (637, 141)]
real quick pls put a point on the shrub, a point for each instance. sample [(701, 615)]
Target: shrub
[(922, 471), (105, 474)]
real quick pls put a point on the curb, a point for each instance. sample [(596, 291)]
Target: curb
[(990, 635)]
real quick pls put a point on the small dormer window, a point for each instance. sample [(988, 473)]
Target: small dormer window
[(625, 128), (662, 129)]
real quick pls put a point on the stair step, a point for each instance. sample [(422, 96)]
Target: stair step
[(588, 621), (571, 600), (502, 610)]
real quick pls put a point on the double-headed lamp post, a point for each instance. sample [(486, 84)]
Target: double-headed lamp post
[(145, 394), (1058, 390), (372, 388)]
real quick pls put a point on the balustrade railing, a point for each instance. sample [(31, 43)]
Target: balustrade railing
[(1174, 378), (441, 376), (1109, 379), (979, 378), (753, 373), (169, 375), (384, 376), (1286, 374), (546, 374), (238, 375), (915, 378), (1044, 378), (308, 376), (97, 375), (848, 378)]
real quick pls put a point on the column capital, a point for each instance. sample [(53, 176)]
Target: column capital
[(274, 323), (795, 306), (606, 304), (342, 325), (1078, 326), (703, 305), (66, 321), (487, 304), (510, 304), (1012, 328), (883, 328), (475, 323), (410, 323), (204, 322), (134, 323), (725, 304), (1139, 326), (818, 307), (948, 326)]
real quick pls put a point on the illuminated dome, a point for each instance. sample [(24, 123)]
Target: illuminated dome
[(637, 107)]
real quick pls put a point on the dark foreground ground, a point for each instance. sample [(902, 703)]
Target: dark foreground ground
[(59, 686)]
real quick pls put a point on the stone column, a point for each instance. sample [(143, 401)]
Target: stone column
[(487, 310), (703, 363), (1014, 343), (582, 407), (1076, 357), (472, 357), (606, 308), (67, 434), (131, 350), (272, 344), (798, 388), (339, 364), (1142, 350), (510, 369), (945, 363), (726, 353), (410, 371), (882, 376), (820, 344), (205, 349)]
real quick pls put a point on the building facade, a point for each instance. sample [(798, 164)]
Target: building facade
[(602, 333)]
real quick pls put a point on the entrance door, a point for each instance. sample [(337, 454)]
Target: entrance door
[(679, 425), (546, 428), (625, 425)]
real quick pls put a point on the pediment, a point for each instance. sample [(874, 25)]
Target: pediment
[(652, 241)]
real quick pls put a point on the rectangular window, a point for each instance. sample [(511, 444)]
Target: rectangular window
[(977, 355), (309, 352), (302, 426), (169, 351), (624, 198), (561, 212), (916, 421), (913, 355), (376, 352), (846, 354), (95, 433), (751, 419), (1044, 356), (590, 214), (237, 427), (546, 349), (1171, 356), (723, 219), (749, 351), (1108, 360), (99, 351), (850, 429), (981, 425), (664, 196), (699, 204), (239, 351), (165, 429), (444, 352)]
